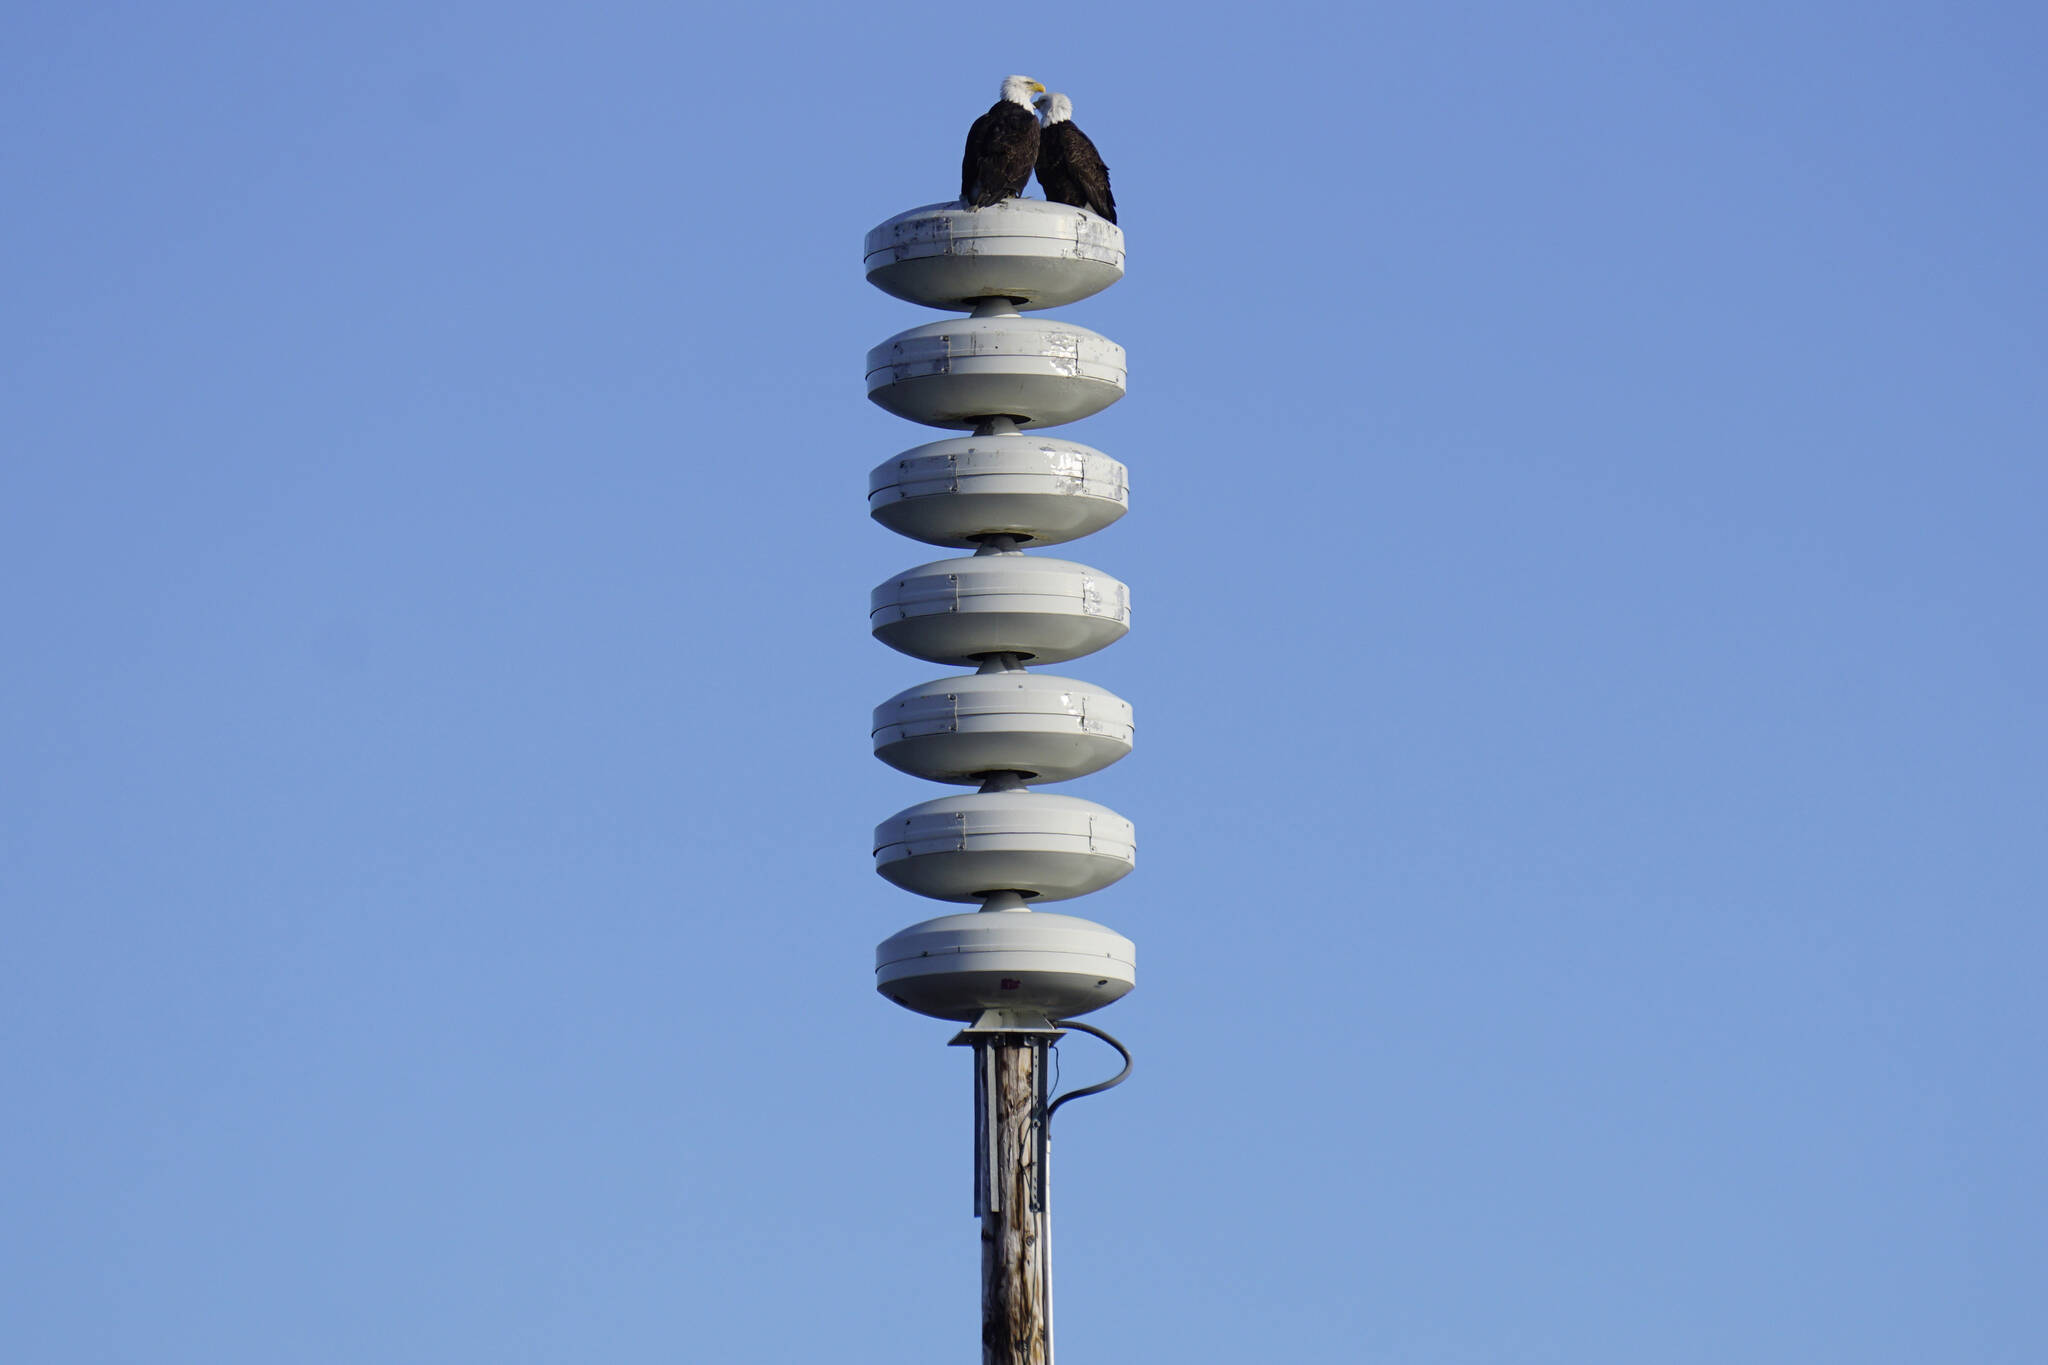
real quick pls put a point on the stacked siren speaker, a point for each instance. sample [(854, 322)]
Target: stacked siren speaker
[(999, 492)]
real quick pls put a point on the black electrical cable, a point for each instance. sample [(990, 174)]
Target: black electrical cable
[(1097, 1089)]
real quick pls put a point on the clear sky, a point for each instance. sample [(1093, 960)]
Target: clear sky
[(1587, 564)]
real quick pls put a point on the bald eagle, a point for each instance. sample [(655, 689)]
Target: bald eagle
[(1002, 147), (1070, 170)]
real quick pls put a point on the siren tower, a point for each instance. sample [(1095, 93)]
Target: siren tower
[(1014, 974)]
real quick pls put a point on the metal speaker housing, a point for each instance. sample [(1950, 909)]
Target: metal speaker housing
[(1048, 728), (1035, 488), (961, 611), (970, 846), (956, 966), (1035, 254), (1036, 371)]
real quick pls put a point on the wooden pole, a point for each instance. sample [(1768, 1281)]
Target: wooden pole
[(1010, 1196)]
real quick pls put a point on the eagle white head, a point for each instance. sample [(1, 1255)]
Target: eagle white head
[(1020, 89), (1056, 108)]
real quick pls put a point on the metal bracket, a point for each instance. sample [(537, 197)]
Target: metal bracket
[(1000, 1023)]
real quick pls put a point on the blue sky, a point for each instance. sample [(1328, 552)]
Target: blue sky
[(1586, 554)]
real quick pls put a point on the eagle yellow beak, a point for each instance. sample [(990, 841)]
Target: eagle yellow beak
[(1039, 88)]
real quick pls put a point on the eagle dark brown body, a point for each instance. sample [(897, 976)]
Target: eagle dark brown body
[(1002, 147), (1070, 170)]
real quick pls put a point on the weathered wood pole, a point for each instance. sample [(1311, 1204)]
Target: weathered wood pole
[(1010, 1196)]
